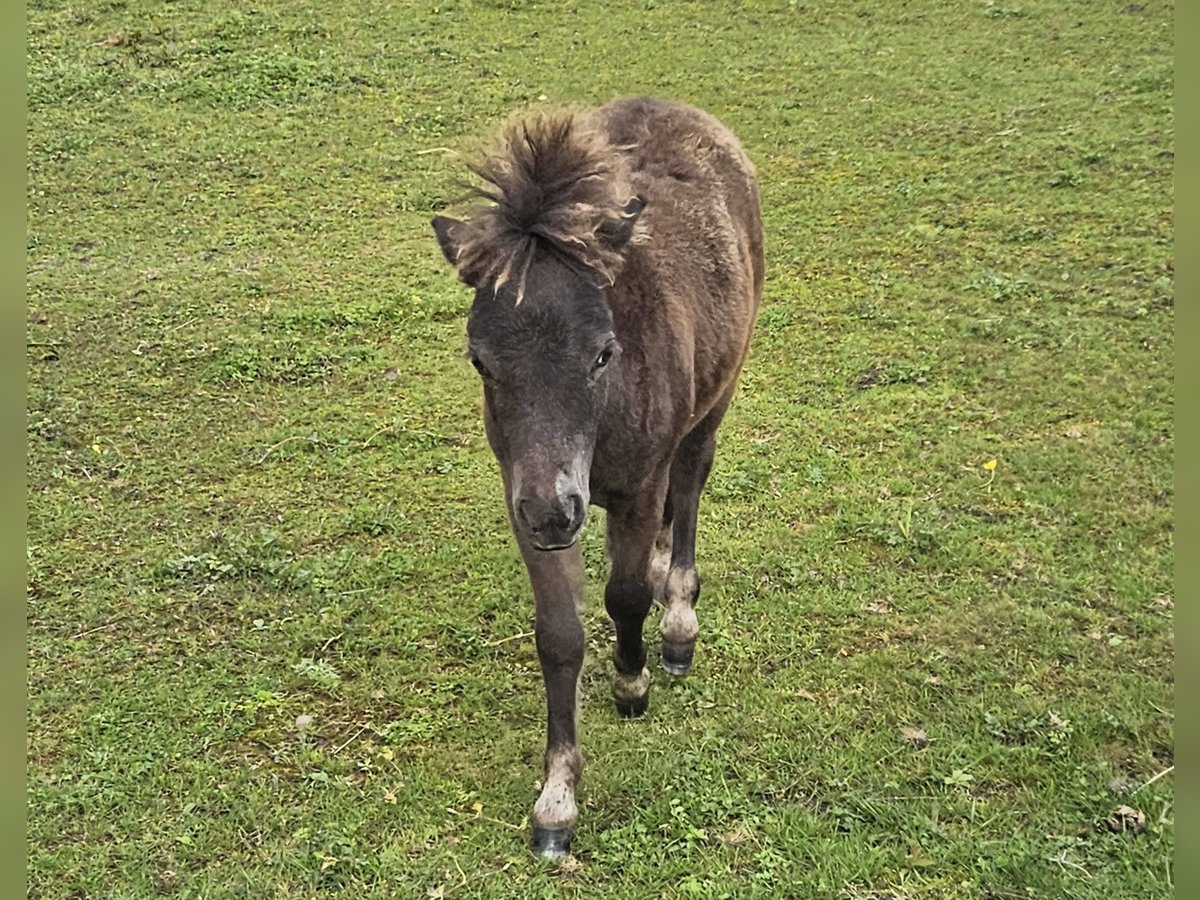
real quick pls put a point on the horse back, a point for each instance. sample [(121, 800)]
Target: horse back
[(686, 301)]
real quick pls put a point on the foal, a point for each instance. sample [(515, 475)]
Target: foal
[(617, 269)]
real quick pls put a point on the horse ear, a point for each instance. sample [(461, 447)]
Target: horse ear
[(444, 229), (619, 233)]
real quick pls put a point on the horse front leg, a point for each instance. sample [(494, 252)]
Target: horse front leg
[(557, 580), (632, 531)]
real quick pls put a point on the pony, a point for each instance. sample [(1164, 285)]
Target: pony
[(617, 266)]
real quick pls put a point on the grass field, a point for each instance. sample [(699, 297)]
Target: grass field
[(278, 634)]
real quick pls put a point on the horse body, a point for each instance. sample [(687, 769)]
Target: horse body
[(617, 274), (685, 304)]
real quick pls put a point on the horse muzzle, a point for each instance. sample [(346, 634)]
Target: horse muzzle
[(551, 523)]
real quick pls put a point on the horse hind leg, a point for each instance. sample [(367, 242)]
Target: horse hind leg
[(632, 532), (689, 471), (660, 557)]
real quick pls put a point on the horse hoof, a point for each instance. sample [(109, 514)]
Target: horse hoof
[(632, 709), (552, 843), (677, 658)]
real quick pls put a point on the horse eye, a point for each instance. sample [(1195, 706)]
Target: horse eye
[(603, 358)]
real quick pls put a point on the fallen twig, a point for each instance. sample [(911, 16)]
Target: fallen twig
[(1167, 771), (478, 814), (180, 325), (325, 646), (351, 739), (117, 622), (513, 637), (262, 459), (367, 442)]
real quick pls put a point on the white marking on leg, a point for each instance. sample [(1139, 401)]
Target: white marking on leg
[(555, 808), (679, 623), (630, 688), (660, 565)]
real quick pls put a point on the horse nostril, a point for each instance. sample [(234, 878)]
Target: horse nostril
[(552, 521), (524, 510)]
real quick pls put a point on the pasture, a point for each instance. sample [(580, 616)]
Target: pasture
[(279, 636)]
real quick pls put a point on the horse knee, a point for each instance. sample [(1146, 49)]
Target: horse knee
[(626, 597), (560, 644)]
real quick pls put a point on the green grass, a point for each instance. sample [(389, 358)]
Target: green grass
[(259, 488)]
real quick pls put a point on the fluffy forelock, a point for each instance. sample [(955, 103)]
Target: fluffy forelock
[(553, 179)]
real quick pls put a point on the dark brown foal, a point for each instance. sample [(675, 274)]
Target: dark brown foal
[(617, 269)]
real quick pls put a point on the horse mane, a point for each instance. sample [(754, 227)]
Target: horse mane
[(554, 180)]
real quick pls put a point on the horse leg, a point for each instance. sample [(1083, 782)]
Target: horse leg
[(632, 530), (689, 470), (660, 556), (557, 580)]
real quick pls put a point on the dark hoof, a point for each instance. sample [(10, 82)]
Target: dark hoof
[(632, 709), (552, 843), (677, 658)]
